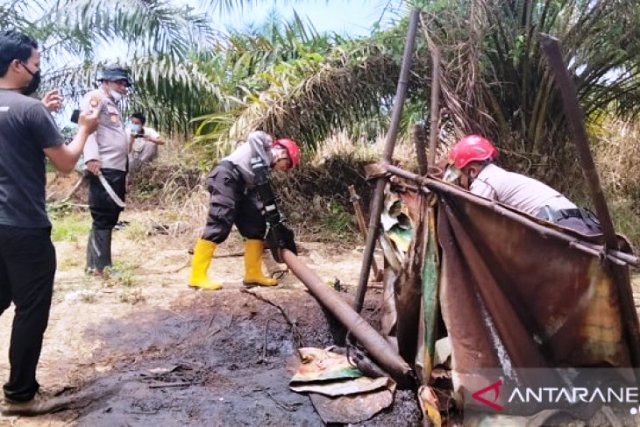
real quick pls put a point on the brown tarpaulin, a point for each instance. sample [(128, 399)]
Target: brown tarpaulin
[(513, 292), (511, 297)]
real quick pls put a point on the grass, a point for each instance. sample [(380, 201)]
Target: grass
[(123, 277), (121, 274), (337, 221), (626, 219), (71, 263), (617, 156), (136, 231), (131, 296), (70, 226)]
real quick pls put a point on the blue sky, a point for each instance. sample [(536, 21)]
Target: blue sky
[(353, 17), (345, 17)]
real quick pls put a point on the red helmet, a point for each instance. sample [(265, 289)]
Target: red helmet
[(471, 148), (292, 149)]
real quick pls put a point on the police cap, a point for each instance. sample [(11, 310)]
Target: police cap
[(113, 73)]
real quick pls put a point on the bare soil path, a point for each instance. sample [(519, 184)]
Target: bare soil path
[(144, 349)]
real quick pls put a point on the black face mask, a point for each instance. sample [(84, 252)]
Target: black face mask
[(34, 84)]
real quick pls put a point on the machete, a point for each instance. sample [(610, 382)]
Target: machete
[(117, 200)]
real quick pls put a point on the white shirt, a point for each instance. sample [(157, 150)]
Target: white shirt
[(521, 192), (109, 143), (258, 144), (139, 142)]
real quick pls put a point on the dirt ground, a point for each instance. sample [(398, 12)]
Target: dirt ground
[(144, 349)]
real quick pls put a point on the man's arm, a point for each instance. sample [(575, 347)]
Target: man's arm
[(152, 135), (91, 150), (261, 144), (64, 157)]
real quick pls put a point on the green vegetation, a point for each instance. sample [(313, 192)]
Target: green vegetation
[(210, 87), (122, 277), (617, 156), (626, 217), (121, 274), (288, 79), (135, 231), (69, 225), (338, 222)]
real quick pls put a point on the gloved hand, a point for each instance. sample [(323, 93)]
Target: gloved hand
[(281, 236)]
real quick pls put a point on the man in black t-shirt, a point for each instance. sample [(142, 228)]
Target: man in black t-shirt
[(27, 256)]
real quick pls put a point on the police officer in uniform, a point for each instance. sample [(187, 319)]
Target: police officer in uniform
[(473, 155), (106, 153)]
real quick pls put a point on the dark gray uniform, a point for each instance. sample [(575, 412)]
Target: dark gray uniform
[(27, 256), (110, 145), (233, 196)]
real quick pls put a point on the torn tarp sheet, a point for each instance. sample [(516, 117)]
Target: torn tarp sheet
[(512, 297)]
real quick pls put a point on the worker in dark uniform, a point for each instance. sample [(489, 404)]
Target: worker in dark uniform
[(106, 153), (234, 200)]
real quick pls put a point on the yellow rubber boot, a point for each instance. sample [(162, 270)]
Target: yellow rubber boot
[(202, 254), (253, 264)]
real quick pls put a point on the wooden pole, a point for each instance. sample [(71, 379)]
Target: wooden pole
[(575, 117), (378, 195), (421, 152), (362, 226), (435, 105)]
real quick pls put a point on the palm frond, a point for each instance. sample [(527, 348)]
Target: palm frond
[(147, 27)]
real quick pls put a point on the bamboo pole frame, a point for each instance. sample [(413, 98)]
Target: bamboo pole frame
[(378, 195)]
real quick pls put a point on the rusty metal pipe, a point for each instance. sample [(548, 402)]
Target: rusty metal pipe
[(373, 342), (615, 256), (378, 195), (551, 48)]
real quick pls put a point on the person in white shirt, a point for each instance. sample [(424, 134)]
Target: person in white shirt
[(473, 155), (143, 143)]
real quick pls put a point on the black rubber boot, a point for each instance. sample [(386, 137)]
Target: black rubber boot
[(90, 268), (99, 251)]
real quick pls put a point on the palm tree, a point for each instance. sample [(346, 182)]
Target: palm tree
[(288, 79), (155, 38), (258, 64), (494, 77)]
